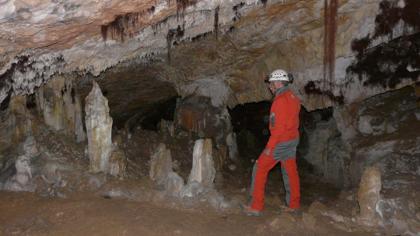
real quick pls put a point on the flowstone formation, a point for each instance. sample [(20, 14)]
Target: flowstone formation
[(60, 106), (99, 130)]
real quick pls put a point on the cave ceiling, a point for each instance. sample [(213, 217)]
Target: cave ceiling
[(222, 49)]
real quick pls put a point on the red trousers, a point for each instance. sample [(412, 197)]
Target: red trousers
[(262, 166)]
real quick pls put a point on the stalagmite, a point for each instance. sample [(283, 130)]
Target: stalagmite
[(117, 163), (22, 180), (162, 174), (160, 165), (99, 130), (203, 171), (369, 195)]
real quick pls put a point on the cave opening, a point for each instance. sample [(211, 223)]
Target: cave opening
[(162, 111)]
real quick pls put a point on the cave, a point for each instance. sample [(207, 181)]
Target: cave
[(163, 117)]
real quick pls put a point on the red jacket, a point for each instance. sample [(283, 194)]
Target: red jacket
[(284, 117)]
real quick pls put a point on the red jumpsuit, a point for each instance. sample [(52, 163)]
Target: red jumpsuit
[(281, 147)]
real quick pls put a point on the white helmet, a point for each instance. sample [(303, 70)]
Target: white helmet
[(279, 75)]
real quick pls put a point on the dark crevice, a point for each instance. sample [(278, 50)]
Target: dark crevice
[(313, 88), (172, 37), (250, 123), (236, 9), (390, 63), (5, 103), (31, 101), (162, 111), (216, 21)]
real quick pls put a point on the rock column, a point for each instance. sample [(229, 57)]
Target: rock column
[(99, 130), (203, 171)]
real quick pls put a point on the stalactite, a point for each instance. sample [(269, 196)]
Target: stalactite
[(125, 26), (330, 30), (216, 21), (173, 34)]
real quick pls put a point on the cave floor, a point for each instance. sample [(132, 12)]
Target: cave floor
[(87, 214)]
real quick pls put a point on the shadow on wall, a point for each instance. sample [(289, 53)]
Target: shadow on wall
[(388, 64)]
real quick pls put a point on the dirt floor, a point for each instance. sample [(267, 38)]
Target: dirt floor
[(87, 214)]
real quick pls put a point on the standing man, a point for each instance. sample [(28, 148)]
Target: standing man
[(281, 147)]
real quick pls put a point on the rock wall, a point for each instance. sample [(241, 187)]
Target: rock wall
[(340, 144)]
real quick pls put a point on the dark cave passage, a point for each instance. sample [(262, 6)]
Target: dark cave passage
[(250, 123)]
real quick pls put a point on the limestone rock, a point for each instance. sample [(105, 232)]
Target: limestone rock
[(160, 165), (21, 181), (167, 127), (232, 146), (16, 123), (192, 189), (317, 208), (162, 174), (30, 147), (284, 223), (60, 106), (174, 185), (117, 163), (369, 195), (217, 200), (196, 114), (292, 29), (331, 160), (99, 130), (203, 171), (364, 125)]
